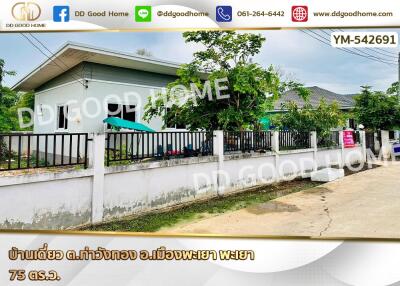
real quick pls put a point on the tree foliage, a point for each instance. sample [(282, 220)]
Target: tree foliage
[(251, 88), (392, 90), (321, 119), (377, 110), (8, 115), (10, 101)]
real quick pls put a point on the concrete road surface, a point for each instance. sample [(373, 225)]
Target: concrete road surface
[(366, 204)]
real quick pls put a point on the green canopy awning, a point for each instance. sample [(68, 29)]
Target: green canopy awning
[(121, 123)]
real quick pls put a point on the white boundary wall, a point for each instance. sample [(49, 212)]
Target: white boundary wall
[(73, 198)]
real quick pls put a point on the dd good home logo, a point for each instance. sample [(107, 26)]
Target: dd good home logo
[(26, 11)]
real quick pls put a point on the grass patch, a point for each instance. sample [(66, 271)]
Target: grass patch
[(155, 221)]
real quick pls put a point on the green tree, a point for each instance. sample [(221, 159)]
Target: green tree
[(321, 119), (8, 115), (4, 72), (26, 99), (8, 99), (377, 110), (392, 90), (251, 88)]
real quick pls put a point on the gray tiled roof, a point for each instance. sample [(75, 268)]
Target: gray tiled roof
[(346, 101)]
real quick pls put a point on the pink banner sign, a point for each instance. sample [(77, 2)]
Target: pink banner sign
[(348, 139)]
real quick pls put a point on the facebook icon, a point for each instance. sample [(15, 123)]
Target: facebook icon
[(61, 13)]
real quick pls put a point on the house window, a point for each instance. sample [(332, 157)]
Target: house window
[(62, 117), (170, 121), (126, 112), (114, 110)]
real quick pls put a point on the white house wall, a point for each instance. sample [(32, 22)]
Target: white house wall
[(46, 119), (91, 103), (119, 93)]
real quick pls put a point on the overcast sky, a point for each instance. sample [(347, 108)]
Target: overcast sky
[(296, 54)]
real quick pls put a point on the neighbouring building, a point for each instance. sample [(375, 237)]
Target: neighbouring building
[(345, 101)]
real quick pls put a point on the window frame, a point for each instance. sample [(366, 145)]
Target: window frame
[(122, 109), (66, 123)]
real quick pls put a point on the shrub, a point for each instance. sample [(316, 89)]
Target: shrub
[(322, 118), (4, 152)]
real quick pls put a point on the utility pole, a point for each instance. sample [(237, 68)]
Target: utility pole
[(398, 78), (398, 91)]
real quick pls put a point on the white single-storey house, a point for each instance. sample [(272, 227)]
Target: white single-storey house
[(99, 83)]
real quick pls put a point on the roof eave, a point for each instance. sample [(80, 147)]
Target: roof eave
[(149, 64)]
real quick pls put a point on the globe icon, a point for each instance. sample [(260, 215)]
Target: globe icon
[(299, 14)]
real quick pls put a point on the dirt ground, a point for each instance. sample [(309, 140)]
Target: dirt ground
[(365, 204)]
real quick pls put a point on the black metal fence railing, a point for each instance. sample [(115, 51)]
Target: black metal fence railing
[(136, 146), (24, 151), (331, 140), (290, 140), (246, 141)]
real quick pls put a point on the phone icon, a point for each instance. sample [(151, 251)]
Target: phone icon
[(224, 13)]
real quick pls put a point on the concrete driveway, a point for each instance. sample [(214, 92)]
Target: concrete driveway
[(366, 204)]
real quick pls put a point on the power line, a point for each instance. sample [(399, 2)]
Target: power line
[(327, 42), (359, 51), (48, 50), (380, 51), (389, 52), (323, 40), (78, 76), (50, 58), (363, 52)]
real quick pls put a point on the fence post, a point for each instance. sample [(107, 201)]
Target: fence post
[(275, 141), (275, 148), (97, 154), (341, 143), (90, 151), (314, 146), (386, 147), (218, 145), (363, 143), (377, 143)]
